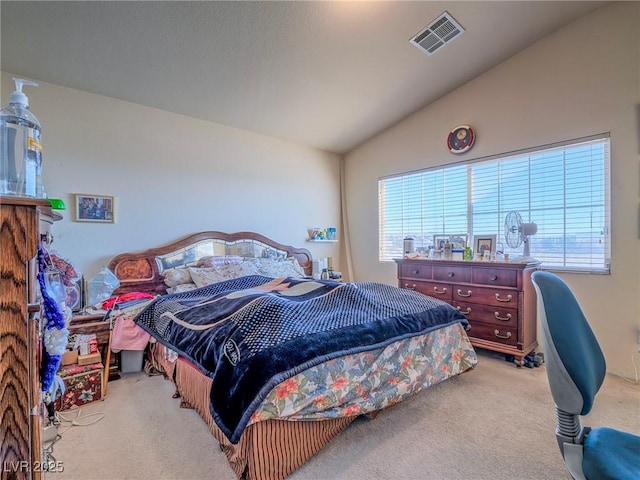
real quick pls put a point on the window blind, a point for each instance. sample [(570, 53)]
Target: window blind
[(564, 188)]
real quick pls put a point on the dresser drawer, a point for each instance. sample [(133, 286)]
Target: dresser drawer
[(415, 270), (441, 291), (452, 274), (494, 333), (503, 277), (486, 295), (499, 316)]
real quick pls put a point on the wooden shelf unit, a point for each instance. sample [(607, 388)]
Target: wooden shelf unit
[(23, 222)]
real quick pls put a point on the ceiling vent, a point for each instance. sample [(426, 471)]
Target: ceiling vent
[(437, 34)]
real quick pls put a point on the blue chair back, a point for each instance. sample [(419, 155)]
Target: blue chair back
[(575, 364)]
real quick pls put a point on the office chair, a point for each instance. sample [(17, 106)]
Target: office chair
[(576, 368)]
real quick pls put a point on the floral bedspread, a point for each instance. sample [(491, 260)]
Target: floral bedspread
[(365, 382)]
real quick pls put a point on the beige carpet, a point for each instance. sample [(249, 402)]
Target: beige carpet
[(496, 422)]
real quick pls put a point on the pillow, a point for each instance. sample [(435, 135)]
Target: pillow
[(184, 287), (176, 276), (208, 275), (219, 260), (278, 267)]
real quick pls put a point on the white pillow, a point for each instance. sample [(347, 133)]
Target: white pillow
[(219, 260), (208, 275), (184, 287), (176, 276), (278, 267)]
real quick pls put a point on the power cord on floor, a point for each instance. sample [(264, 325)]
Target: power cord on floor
[(78, 421), (61, 420)]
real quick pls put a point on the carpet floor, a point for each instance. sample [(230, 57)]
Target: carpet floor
[(495, 422)]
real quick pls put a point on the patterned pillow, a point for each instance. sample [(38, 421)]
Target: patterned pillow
[(208, 275), (278, 267), (185, 287), (176, 276), (219, 260)]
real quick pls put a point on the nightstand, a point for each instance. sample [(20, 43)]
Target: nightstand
[(102, 329)]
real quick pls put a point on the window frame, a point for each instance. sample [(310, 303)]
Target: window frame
[(598, 262)]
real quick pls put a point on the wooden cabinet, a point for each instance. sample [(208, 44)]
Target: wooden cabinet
[(497, 298), (20, 395)]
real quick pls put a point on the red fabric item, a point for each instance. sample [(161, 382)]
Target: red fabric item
[(110, 302)]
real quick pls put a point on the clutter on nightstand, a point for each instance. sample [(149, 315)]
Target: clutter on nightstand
[(70, 357), (89, 358)]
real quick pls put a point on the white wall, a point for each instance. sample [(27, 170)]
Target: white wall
[(173, 175), (584, 79)]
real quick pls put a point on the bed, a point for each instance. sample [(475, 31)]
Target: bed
[(274, 390)]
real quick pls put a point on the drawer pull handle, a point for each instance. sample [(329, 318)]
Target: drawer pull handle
[(497, 334), (493, 278), (416, 272), (460, 294), (413, 287), (440, 292), (508, 299), (506, 319), (450, 274), (465, 313)]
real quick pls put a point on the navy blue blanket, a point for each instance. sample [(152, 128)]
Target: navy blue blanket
[(250, 334)]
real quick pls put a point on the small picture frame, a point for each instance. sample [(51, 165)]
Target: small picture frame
[(459, 240), (439, 241), (484, 245), (94, 208), (75, 296)]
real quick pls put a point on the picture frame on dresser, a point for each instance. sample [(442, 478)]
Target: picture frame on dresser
[(458, 240), (439, 240), (484, 243)]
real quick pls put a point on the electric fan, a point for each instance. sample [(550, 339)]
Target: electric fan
[(517, 232)]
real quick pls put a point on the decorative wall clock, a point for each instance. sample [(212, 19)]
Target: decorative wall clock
[(461, 139)]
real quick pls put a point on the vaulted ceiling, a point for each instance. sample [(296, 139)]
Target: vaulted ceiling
[(328, 75)]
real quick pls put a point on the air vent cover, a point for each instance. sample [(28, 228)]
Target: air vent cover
[(437, 34)]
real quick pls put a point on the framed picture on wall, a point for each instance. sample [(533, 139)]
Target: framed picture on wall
[(94, 208)]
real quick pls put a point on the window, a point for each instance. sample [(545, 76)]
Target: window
[(563, 188)]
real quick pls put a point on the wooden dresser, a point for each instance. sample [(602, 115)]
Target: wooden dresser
[(497, 298), (23, 220)]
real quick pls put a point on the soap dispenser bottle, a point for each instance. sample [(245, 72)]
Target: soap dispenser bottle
[(448, 250), (20, 147)]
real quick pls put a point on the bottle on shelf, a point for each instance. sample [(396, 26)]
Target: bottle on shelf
[(448, 250), (21, 147), (468, 254)]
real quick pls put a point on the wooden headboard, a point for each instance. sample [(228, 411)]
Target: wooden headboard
[(141, 271)]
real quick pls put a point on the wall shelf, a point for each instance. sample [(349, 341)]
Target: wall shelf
[(321, 240)]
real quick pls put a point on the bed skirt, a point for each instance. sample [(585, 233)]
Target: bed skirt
[(269, 449)]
